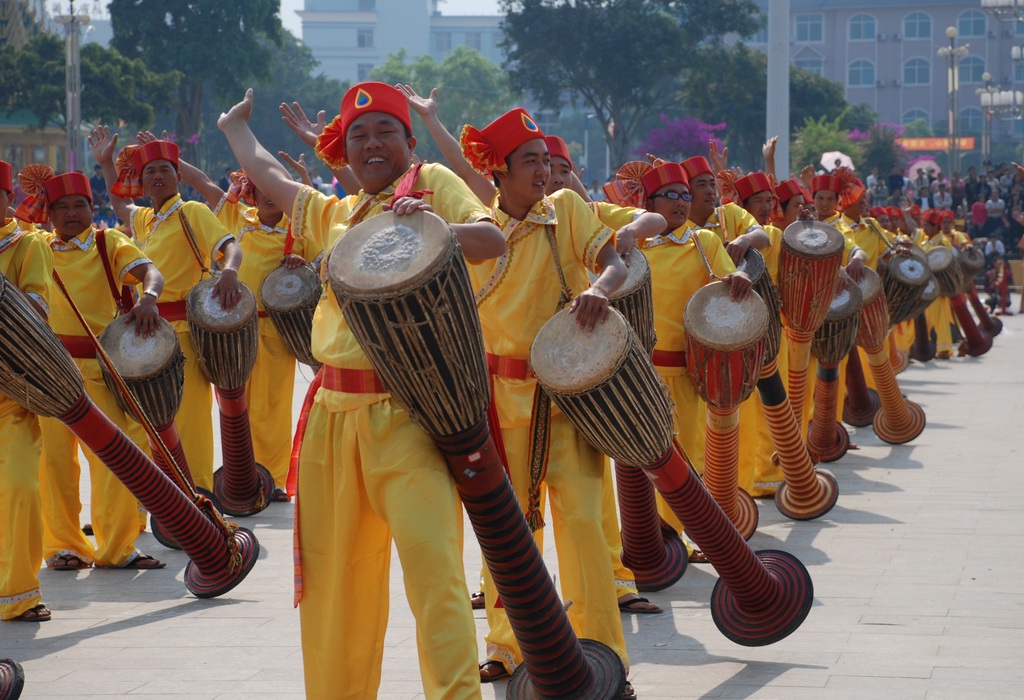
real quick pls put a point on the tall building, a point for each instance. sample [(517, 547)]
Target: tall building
[(352, 37), (886, 54)]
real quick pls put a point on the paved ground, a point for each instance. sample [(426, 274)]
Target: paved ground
[(917, 575)]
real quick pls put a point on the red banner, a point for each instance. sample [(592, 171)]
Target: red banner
[(937, 143)]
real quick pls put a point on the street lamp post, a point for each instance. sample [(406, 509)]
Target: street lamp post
[(73, 78), (1005, 10), (953, 52), (586, 146), (987, 95)]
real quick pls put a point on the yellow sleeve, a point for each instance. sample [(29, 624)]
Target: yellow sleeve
[(721, 263), (737, 220), (451, 199), (313, 213), (230, 215), (588, 234), (210, 232), (613, 216), (34, 265), (125, 256)]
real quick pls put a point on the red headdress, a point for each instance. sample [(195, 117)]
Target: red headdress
[(932, 216), (787, 189), (626, 189), (558, 148), (698, 165), (360, 99), (487, 148), (133, 159), (44, 188), (832, 183), (6, 180), (879, 211), (853, 189)]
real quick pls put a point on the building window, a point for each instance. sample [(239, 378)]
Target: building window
[(861, 74), (917, 71), (971, 120), (971, 23), (1019, 31), (1018, 72), (364, 38), (474, 40), (367, 5), (363, 71), (444, 42), (913, 115), (917, 25), (809, 28), (811, 65), (971, 69), (862, 28)]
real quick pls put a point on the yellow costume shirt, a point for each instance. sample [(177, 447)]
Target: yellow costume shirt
[(728, 222)]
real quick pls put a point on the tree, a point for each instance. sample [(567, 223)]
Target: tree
[(223, 45), (878, 147), (114, 88), (720, 76), (622, 56), (860, 116), (918, 128), (473, 90), (677, 139), (816, 137)]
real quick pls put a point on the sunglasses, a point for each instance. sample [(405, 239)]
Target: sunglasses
[(674, 196)]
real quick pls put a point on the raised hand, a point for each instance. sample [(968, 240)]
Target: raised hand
[(297, 121), (423, 106), (102, 144), (719, 158), (298, 165), (768, 149)]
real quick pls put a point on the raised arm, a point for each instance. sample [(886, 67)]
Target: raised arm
[(426, 107), (295, 117), (268, 174), (768, 150), (103, 146)]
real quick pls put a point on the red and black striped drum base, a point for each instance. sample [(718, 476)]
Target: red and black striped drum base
[(12, 679), (976, 341), (650, 547), (898, 357), (172, 440), (555, 663), (827, 439), (242, 486), (923, 349), (162, 536), (899, 420), (759, 598), (861, 403), (993, 325), (217, 565)]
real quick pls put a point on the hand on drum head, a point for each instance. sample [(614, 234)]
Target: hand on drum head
[(739, 285), (226, 290), (406, 206), (737, 249), (855, 269), (293, 261), (590, 307), (144, 315), (842, 281)]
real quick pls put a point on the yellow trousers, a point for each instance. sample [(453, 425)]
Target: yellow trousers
[(690, 427), (269, 392), (195, 417), (575, 480), (21, 522), (939, 315), (758, 474), (366, 476), (115, 516)]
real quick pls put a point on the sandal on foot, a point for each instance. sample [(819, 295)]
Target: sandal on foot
[(39, 613), (628, 693), (633, 603), (279, 496), (698, 557), (69, 562), (477, 600), (87, 529), (142, 562), (491, 671)]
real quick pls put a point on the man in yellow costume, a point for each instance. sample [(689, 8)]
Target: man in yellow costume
[(26, 262), (93, 266), (552, 242), (151, 170), (263, 231), (939, 313), (367, 473)]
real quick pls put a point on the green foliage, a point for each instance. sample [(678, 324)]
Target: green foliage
[(114, 87), (880, 150), (918, 128), (621, 57), (219, 46), (858, 116), (815, 137), (472, 89)]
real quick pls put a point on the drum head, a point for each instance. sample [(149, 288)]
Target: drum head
[(931, 290), (206, 312), (753, 264), (285, 290), (870, 286), (388, 253), (568, 359), (972, 259), (940, 258), (845, 303), (137, 357), (719, 323), (636, 275), (912, 270), (812, 239)]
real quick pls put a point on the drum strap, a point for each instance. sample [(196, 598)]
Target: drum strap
[(124, 300), (191, 236)]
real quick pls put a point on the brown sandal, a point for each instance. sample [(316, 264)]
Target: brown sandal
[(491, 671), (39, 613), (69, 562), (477, 600)]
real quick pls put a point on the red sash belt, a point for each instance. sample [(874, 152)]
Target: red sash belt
[(509, 367), (667, 358), (80, 346), (172, 310), (352, 381), (262, 314)]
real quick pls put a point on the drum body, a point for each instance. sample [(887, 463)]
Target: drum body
[(35, 369), (290, 298), (930, 294), (809, 261), (838, 334), (635, 299), (226, 342), (903, 282), (404, 289), (754, 266), (724, 344), (946, 269), (153, 368), (613, 395), (874, 314), (972, 261)]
